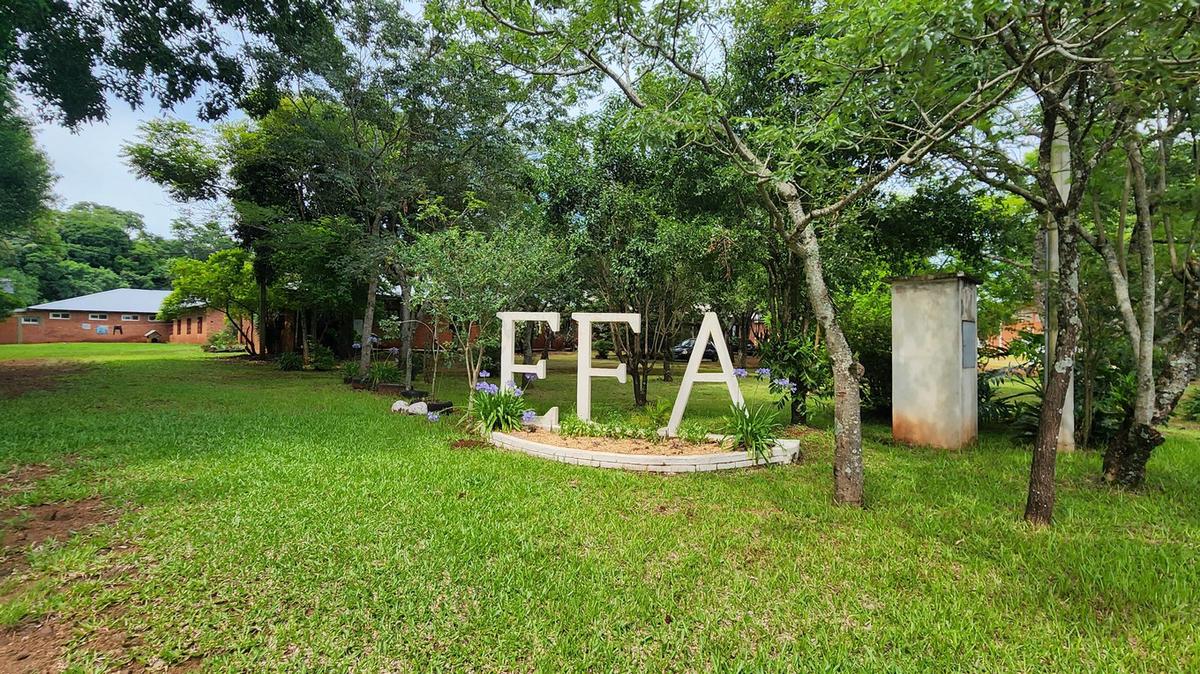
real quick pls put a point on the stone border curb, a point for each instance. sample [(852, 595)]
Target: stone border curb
[(785, 451)]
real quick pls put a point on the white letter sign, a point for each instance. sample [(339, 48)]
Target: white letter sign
[(710, 328), (583, 390), (508, 344)]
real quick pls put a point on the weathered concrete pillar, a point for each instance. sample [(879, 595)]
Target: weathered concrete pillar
[(934, 342)]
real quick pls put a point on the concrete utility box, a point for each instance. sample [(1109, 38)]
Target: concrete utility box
[(934, 344)]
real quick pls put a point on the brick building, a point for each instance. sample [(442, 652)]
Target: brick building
[(1024, 320), (123, 315)]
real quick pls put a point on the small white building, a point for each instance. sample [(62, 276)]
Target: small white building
[(934, 355)]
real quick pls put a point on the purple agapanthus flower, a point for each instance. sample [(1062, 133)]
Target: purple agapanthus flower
[(374, 339), (356, 346), (739, 372), (433, 416), (486, 387), (394, 351), (528, 416), (784, 384), (529, 375), (485, 374), (518, 392), (763, 372)]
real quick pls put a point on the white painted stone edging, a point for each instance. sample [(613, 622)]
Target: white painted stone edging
[(785, 450)]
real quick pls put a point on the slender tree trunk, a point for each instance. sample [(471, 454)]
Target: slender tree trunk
[(527, 344), (237, 325), (667, 373), (302, 319), (1039, 506), (407, 329), (262, 318), (847, 372), (547, 337), (368, 325), (747, 322)]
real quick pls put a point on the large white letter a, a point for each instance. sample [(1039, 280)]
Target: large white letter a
[(710, 328)]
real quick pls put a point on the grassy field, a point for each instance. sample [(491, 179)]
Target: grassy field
[(276, 521)]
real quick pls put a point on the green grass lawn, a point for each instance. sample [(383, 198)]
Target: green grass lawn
[(282, 522)]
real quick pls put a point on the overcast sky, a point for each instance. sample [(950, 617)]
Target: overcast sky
[(89, 166)]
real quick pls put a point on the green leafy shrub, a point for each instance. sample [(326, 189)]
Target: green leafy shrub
[(572, 427), (752, 430), (603, 348), (289, 361), (320, 357), (1191, 408), (693, 432), (655, 415), (350, 370), (495, 409), (384, 373), (224, 340), (796, 364)]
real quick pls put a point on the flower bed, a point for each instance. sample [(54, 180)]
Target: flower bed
[(634, 454)]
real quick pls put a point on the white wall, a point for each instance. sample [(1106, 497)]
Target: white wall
[(933, 382)]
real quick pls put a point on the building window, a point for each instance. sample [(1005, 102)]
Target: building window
[(189, 326), (130, 317), (29, 320), (60, 315), (97, 317), (200, 326)]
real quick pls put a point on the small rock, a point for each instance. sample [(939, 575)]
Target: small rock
[(399, 406), (418, 408)]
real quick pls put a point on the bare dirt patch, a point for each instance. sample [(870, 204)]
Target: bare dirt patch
[(667, 447), (41, 646), (34, 646), (470, 444), (18, 377), (27, 526), (22, 478)]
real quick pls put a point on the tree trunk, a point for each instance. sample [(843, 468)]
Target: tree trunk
[(1039, 506), (847, 372), (407, 329), (364, 361), (667, 374), (302, 319), (747, 322), (262, 318)]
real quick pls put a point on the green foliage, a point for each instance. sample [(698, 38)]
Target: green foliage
[(289, 361), (384, 372), (225, 281), (25, 176), (223, 341), (797, 357), (655, 415), (351, 370), (572, 426), (603, 348), (1191, 408), (75, 56), (174, 154), (690, 431), (498, 411), (752, 430), (320, 357), (465, 277)]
